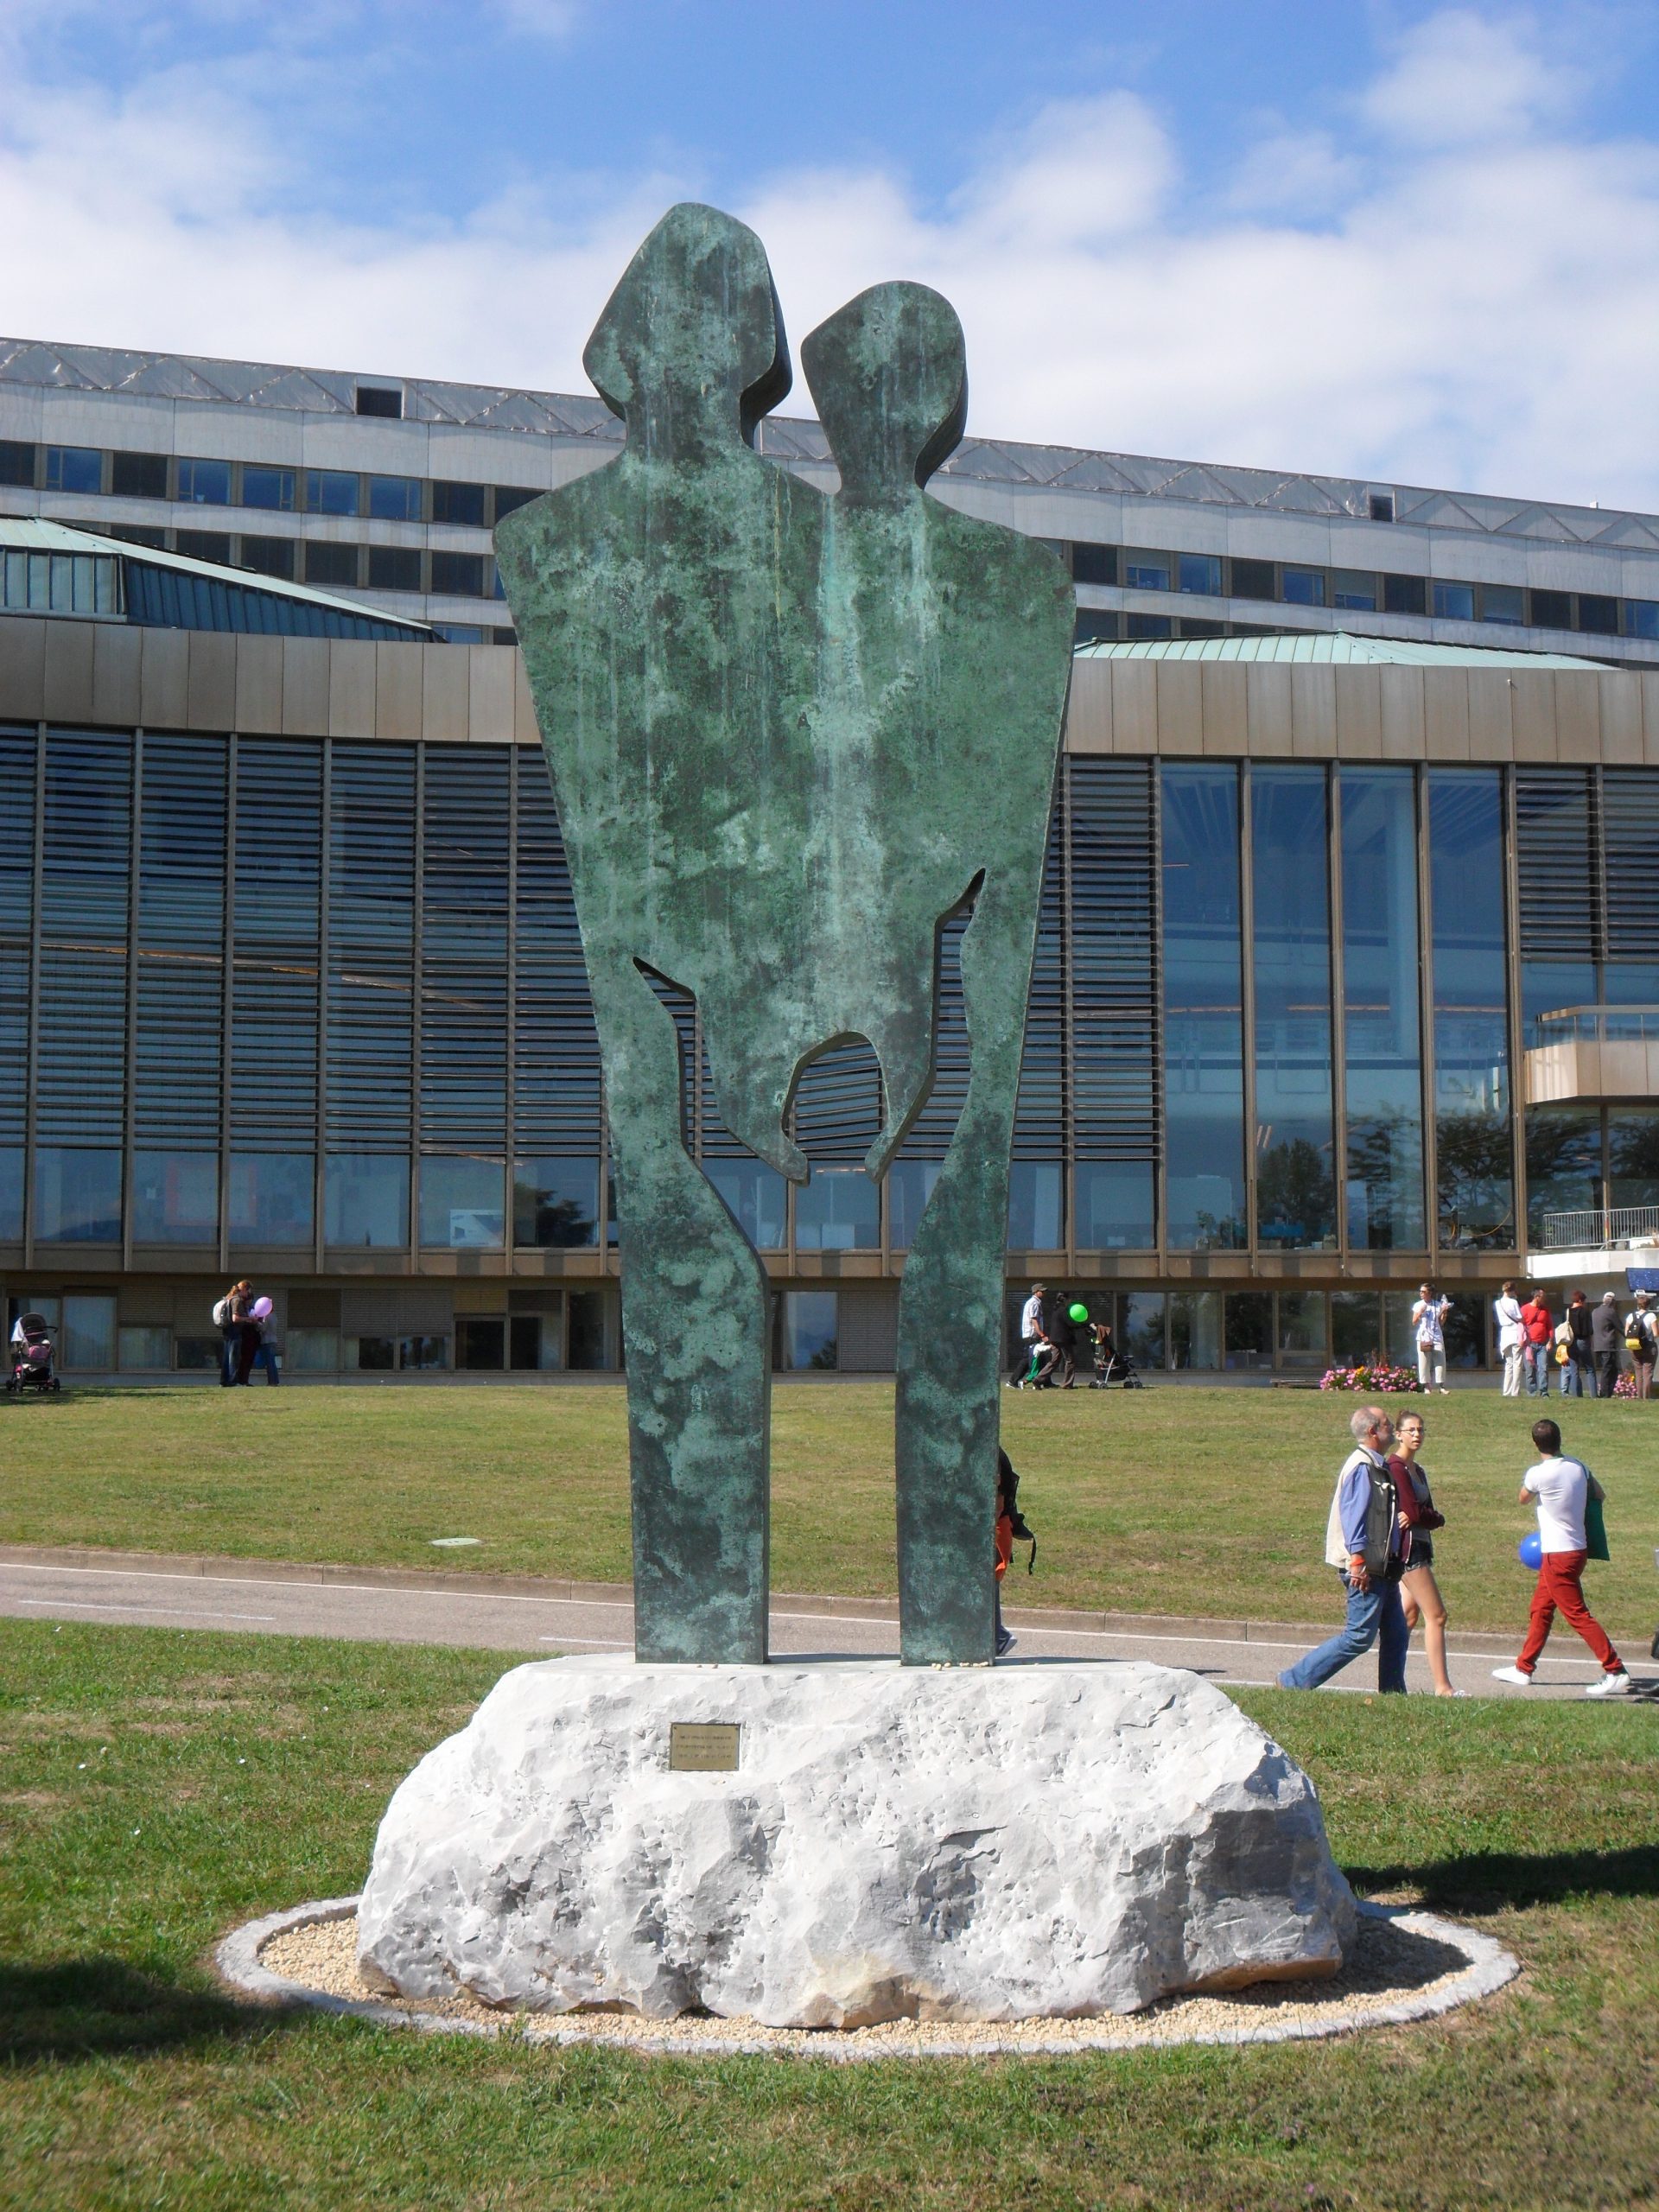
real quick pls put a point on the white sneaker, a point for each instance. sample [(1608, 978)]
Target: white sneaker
[(1512, 1675), (1610, 1686)]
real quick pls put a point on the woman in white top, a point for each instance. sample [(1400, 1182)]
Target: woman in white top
[(1428, 1325)]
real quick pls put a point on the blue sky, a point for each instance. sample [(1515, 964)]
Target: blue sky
[(1399, 241)]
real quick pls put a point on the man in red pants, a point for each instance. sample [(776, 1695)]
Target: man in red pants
[(1561, 1488)]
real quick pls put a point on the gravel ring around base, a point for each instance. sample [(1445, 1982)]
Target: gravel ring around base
[(1295, 2010)]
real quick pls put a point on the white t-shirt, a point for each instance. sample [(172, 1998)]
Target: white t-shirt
[(1429, 1313), (1560, 1486), (1511, 1334), (1031, 1320)]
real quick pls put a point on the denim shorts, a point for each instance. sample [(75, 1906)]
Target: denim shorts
[(1422, 1550)]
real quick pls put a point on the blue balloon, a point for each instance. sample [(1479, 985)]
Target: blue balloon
[(1530, 1551)]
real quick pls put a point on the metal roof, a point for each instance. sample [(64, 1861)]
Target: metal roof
[(31, 534), (1343, 647), (584, 418)]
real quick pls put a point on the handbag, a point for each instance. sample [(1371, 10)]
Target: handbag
[(1595, 1530)]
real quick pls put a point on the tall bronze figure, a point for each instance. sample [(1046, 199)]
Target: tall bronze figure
[(790, 736)]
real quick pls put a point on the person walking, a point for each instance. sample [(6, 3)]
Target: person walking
[(1031, 1334), (1536, 1320), (1561, 1488), (1428, 1327), (1605, 1338), (1511, 1338), (1578, 1369), (230, 1314), (1361, 1541), (1419, 1594), (1642, 1342), (1062, 1335)]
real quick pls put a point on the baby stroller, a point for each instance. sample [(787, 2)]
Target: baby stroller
[(1112, 1365), (34, 1357)]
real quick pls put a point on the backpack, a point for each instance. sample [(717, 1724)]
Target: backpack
[(1017, 1527), (222, 1313)]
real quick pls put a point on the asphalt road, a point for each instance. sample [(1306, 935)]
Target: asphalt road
[(162, 1598)]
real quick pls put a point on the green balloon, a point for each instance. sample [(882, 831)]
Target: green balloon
[(1079, 1313)]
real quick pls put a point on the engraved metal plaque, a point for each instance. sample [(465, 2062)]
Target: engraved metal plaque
[(702, 1746)]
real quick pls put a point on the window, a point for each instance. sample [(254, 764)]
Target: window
[(807, 1329), (1597, 615), (1380, 506), (555, 1203), (1405, 595), (1632, 1156), (1471, 1003), (148, 1347), (17, 463), (1200, 572), (1249, 1325), (461, 1205), (330, 564), (394, 568), (375, 1355), (12, 1194), (1551, 610), (89, 1329), (1454, 602), (137, 533), (330, 492), (1295, 1187), (1148, 626), (511, 496), (204, 545), (1035, 1195), (590, 1334), (424, 1351), (1301, 1328), (480, 1340), (138, 475), (271, 1197), (1195, 1329), (1112, 1201), (1503, 603), (1357, 1335), (460, 575), (174, 1198), (910, 1185), (384, 400), (1641, 616), (77, 1196), (1380, 957), (1354, 589), (270, 556), (462, 504), (203, 483), (1146, 572), (1304, 586), (1141, 1326), (839, 1211), (1252, 580), (395, 499), (1563, 1166), (268, 488), (365, 1201), (73, 468), (1091, 626), (754, 1196), (1204, 1035)]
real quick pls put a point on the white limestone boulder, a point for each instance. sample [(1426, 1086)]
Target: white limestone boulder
[(1023, 1841)]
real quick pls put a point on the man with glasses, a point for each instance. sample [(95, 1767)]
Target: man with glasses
[(1362, 1544)]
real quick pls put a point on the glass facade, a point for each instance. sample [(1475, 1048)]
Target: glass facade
[(1473, 1140), (1296, 1179), (1382, 1050), (1204, 1008)]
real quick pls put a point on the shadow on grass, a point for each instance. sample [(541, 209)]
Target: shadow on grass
[(1484, 1881), (80, 2007)]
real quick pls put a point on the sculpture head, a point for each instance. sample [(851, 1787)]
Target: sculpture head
[(889, 374), (692, 338)]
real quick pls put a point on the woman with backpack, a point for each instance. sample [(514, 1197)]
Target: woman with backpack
[(229, 1315), (1419, 1594)]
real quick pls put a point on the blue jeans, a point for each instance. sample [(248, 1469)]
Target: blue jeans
[(1370, 1613), (264, 1355), (1537, 1358), (1573, 1377)]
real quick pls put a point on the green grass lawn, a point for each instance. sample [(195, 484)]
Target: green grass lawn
[(155, 1788), (1175, 1501)]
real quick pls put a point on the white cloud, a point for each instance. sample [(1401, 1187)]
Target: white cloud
[(1473, 299)]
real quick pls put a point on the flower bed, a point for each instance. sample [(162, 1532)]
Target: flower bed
[(1378, 1379)]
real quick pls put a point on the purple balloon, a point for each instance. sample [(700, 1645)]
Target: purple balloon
[(262, 1309)]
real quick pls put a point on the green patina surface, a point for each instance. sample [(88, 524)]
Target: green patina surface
[(790, 735)]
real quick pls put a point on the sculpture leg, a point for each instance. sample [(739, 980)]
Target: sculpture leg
[(950, 1327), (699, 1374)]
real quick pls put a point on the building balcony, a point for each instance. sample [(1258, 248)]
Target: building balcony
[(1587, 1053), (1596, 1243)]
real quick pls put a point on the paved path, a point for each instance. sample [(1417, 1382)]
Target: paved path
[(597, 1618)]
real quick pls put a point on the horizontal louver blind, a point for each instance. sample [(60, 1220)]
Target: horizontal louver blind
[(81, 1090), (17, 789), (1630, 816), (178, 1032), (370, 948), (556, 1067), (464, 949), (277, 918), (1555, 855), (1041, 1116), (1113, 974), (930, 1134), (837, 1109)]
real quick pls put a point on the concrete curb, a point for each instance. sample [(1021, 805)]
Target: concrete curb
[(1489, 1967)]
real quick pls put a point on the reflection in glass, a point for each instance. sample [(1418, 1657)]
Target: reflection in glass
[(1034, 1205), (268, 488), (1356, 1315), (365, 1200), (1632, 1156), (1563, 1168), (807, 1329), (554, 1203), (1195, 1329), (910, 1185), (330, 492), (1204, 1018), (1141, 1315), (312, 1351), (1249, 1329), (1472, 1052), (462, 1204), (590, 1329), (12, 1194), (1380, 968), (424, 1351), (1398, 1330), (1466, 1329), (754, 1196), (839, 1211), (1295, 1187), (88, 1329), (149, 1347), (272, 1198), (1550, 986), (1112, 1203), (174, 1198), (77, 1196), (1301, 1328)]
